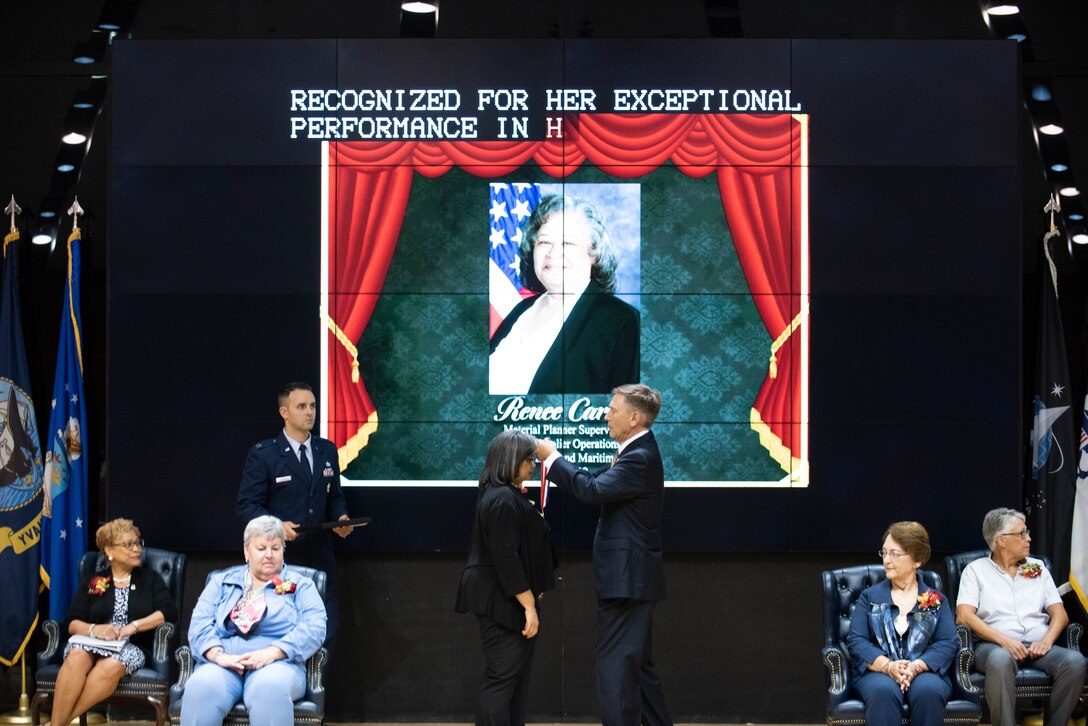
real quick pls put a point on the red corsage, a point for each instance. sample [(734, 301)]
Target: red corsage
[(1031, 570), (284, 587), (930, 601), (98, 586)]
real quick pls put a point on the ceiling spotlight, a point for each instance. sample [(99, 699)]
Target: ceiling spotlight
[(419, 19), (1080, 238), (1051, 129), (117, 15), (93, 51), (1003, 9), (1069, 192), (47, 232), (1059, 168), (78, 124), (1018, 37), (83, 54), (1076, 217)]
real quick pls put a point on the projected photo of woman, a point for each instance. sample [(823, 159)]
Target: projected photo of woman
[(575, 335)]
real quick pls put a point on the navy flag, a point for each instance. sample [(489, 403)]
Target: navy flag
[(1049, 494), (20, 473), (64, 538)]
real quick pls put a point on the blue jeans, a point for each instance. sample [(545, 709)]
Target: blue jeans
[(926, 697), (268, 693)]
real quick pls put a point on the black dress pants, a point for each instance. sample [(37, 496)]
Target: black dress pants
[(508, 660), (628, 689)]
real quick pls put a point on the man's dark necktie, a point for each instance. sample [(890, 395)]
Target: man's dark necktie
[(304, 460)]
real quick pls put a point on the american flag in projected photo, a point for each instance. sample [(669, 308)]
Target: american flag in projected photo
[(511, 205)]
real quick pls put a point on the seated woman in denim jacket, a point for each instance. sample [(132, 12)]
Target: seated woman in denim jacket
[(902, 636), (252, 630)]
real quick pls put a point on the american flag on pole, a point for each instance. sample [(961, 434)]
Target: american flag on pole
[(511, 205), (1078, 553)]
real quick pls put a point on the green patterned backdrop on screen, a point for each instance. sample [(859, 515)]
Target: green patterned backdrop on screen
[(424, 354)]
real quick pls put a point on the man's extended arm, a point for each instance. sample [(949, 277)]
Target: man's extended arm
[(968, 615), (625, 480), (1058, 620)]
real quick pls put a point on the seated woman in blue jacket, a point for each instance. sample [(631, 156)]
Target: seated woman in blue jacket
[(252, 630), (902, 636)]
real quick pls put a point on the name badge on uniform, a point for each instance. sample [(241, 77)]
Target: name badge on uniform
[(282, 479), (327, 472)]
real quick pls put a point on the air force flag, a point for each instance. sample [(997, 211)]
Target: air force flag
[(64, 534)]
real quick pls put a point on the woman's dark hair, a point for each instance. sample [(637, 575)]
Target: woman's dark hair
[(601, 246), (504, 457)]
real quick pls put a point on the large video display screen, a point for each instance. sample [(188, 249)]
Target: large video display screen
[(810, 248)]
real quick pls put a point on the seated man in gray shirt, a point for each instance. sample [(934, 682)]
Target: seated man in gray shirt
[(1011, 604)]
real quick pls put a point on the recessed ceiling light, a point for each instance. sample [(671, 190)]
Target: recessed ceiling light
[(1051, 129), (1018, 37), (1070, 192), (1080, 238), (66, 167), (1003, 10), (42, 238), (1076, 217), (419, 7), (73, 138), (1059, 167)]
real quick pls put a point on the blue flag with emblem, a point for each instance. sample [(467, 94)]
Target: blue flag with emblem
[(20, 473), (64, 528)]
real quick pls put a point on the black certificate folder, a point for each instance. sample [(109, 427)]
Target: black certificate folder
[(353, 522)]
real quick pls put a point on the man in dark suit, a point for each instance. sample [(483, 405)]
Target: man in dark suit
[(296, 477), (627, 561)]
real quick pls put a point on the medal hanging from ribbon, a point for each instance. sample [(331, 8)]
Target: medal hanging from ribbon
[(543, 487)]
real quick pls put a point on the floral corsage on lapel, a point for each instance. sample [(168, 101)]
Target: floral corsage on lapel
[(1031, 570), (930, 601), (98, 586), (284, 587)]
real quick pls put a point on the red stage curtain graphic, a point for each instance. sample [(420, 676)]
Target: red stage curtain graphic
[(757, 162)]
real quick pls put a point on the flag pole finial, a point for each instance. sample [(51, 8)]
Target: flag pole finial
[(75, 211), (1053, 206), (11, 210)]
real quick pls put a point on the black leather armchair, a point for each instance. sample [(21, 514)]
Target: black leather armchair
[(1031, 683), (310, 709), (150, 684), (841, 590)]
